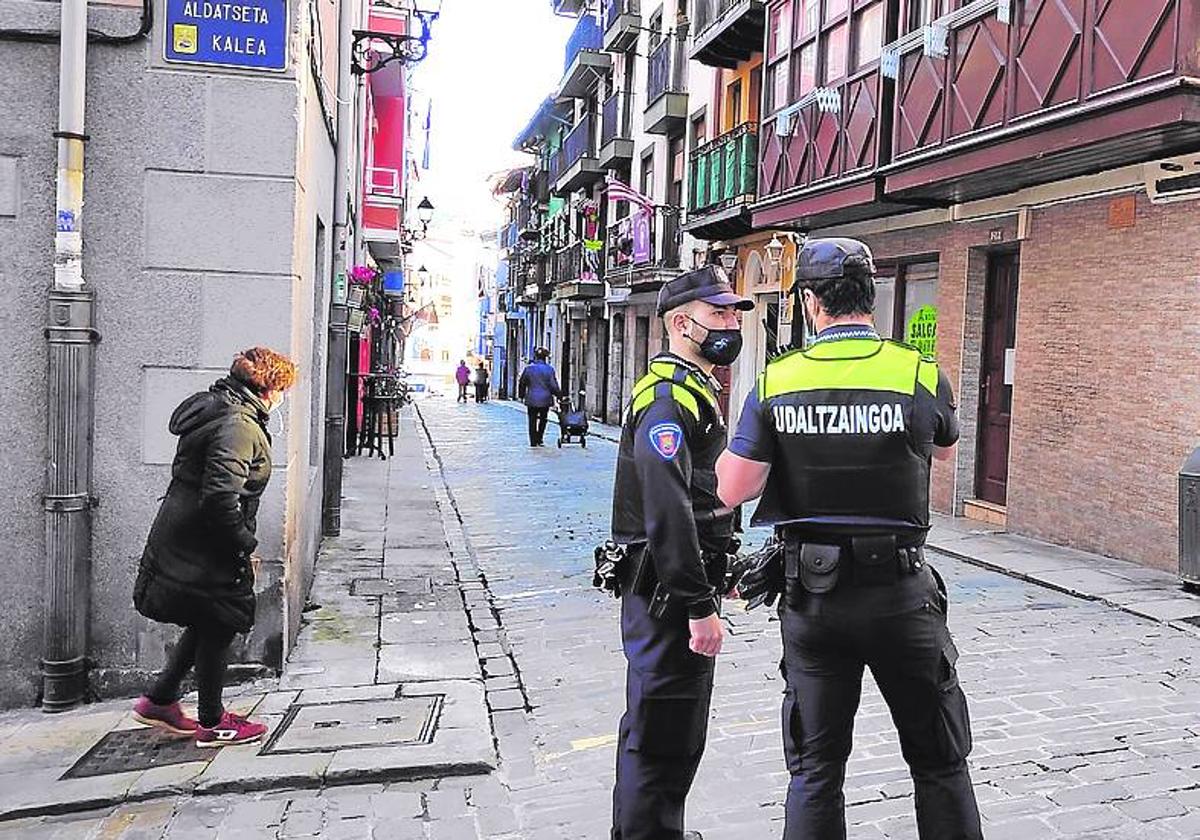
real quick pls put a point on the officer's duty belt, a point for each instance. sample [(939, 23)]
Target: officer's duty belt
[(637, 573), (859, 561)]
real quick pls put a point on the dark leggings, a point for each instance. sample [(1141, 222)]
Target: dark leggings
[(205, 649)]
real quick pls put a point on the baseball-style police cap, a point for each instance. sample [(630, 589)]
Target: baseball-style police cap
[(709, 284), (829, 259)]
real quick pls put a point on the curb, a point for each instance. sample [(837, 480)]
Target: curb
[(595, 428), (1175, 624)]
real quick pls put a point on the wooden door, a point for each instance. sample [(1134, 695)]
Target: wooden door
[(995, 393)]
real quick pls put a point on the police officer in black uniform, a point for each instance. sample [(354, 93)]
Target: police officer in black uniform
[(837, 438), (667, 515)]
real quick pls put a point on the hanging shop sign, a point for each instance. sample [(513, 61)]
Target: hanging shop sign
[(249, 34)]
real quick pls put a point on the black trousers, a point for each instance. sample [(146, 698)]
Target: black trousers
[(206, 650), (899, 632), (537, 424), (668, 690)]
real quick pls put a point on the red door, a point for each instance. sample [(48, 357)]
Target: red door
[(995, 395)]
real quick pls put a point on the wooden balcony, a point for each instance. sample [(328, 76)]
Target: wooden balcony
[(666, 87), (727, 32), (723, 182), (616, 136), (1065, 89), (577, 165), (977, 105), (622, 22)]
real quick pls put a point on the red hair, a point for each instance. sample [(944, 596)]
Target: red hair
[(264, 370)]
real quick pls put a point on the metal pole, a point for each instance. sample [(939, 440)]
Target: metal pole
[(339, 312), (71, 341)]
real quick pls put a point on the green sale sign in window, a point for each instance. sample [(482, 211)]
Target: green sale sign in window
[(921, 330)]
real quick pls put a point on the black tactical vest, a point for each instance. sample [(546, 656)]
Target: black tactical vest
[(848, 415)]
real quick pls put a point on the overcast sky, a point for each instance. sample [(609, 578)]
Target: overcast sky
[(490, 64)]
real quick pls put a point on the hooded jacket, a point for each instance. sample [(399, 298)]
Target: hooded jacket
[(195, 569)]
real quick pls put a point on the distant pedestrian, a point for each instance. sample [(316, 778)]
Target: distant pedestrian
[(463, 377), (539, 389), (481, 383), (196, 569)]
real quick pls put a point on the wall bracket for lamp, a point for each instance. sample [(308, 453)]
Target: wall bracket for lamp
[(372, 51)]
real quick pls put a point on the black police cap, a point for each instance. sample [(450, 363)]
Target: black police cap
[(709, 284), (831, 258)]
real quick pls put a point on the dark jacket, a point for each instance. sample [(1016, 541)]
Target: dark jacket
[(195, 569), (539, 385)]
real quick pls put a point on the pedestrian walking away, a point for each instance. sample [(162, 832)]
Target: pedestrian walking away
[(838, 438), (463, 377), (539, 388), (196, 569), (676, 540), (481, 383)]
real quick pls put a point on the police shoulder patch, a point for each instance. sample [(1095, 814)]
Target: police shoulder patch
[(666, 438)]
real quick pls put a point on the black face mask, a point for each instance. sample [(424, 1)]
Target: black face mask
[(721, 347)]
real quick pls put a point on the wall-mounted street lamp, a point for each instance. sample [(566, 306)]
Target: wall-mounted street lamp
[(372, 51), (425, 211), (422, 276), (409, 235), (774, 250)]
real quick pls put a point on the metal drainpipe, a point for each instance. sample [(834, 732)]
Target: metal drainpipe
[(71, 340), (335, 364)]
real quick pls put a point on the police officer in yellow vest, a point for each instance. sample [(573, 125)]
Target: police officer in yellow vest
[(837, 439), (666, 512)]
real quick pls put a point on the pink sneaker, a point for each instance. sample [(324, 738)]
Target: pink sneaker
[(233, 729), (169, 718)]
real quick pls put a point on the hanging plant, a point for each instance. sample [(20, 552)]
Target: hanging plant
[(362, 275)]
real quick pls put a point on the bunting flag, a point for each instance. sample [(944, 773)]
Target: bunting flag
[(618, 190)]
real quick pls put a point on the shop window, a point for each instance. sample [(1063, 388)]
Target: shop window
[(906, 303)]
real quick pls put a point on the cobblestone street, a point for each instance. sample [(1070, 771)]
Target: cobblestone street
[(1086, 717)]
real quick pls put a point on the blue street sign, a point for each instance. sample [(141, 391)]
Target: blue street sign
[(251, 34)]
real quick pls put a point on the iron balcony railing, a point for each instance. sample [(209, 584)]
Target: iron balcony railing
[(574, 264), (706, 13), (615, 118), (580, 143), (655, 245), (668, 69), (556, 167), (586, 36), (613, 9), (724, 170)]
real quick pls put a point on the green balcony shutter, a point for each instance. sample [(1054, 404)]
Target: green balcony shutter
[(700, 181), (748, 164), (715, 167)]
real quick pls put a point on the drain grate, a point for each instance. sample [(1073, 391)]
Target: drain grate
[(135, 749), (356, 724), (376, 587)]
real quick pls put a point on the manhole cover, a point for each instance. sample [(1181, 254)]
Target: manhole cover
[(135, 749), (375, 587), (326, 727)]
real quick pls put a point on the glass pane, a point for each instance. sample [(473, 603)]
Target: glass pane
[(806, 69), (834, 46), (868, 35), (885, 305), (781, 31), (779, 85), (920, 306), (833, 8), (808, 12)]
